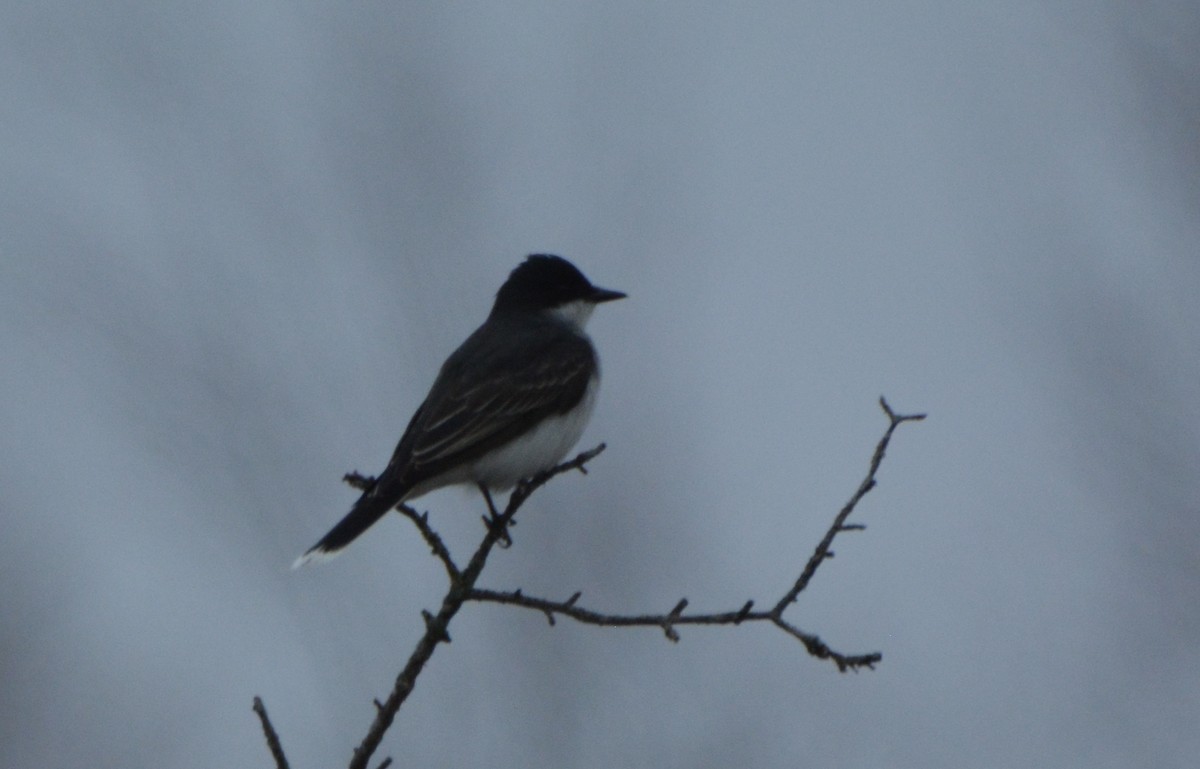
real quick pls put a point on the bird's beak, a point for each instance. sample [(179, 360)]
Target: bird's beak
[(605, 295)]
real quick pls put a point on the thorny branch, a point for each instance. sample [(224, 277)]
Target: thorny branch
[(668, 622), (421, 521), (462, 589)]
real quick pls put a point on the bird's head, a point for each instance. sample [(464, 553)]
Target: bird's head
[(547, 283)]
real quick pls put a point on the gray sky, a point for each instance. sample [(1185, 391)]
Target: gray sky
[(237, 239)]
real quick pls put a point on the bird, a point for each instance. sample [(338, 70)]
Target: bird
[(509, 403)]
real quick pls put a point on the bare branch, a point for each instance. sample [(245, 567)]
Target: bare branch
[(669, 621), (839, 523), (814, 645), (421, 521), (273, 743)]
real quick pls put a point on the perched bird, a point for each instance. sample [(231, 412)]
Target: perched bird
[(509, 403)]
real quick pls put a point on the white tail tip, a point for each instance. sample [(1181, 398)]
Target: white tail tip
[(314, 556)]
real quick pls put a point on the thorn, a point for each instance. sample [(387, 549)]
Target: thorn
[(385, 764), (668, 627), (745, 612), (575, 597), (853, 527), (549, 616), (584, 457), (378, 704), (431, 626)]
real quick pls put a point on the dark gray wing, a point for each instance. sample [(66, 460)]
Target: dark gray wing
[(492, 389), (479, 405)]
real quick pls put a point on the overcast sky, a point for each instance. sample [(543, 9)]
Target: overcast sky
[(238, 238)]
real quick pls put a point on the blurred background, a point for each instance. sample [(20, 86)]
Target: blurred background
[(237, 239)]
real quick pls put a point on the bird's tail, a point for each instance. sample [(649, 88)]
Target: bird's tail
[(370, 507)]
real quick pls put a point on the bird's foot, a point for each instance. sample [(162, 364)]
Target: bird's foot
[(499, 529), (494, 521)]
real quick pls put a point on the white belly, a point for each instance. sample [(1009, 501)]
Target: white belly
[(539, 449)]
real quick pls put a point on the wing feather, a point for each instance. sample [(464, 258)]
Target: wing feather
[(472, 409)]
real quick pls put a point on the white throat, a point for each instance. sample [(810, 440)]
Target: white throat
[(574, 314)]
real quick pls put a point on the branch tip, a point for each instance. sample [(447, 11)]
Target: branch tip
[(898, 418), (270, 734)]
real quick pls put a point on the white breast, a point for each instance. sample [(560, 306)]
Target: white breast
[(539, 449)]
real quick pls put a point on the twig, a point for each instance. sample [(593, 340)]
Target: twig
[(421, 521), (839, 523), (812, 643), (669, 621), (273, 743)]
